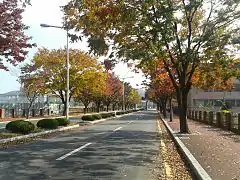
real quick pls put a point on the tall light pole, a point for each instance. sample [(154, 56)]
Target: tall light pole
[(67, 66)]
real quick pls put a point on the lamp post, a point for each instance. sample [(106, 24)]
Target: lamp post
[(67, 66)]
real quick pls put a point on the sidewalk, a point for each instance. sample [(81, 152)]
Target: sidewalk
[(216, 150)]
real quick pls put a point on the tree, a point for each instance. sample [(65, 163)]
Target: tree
[(214, 76), (183, 34), (113, 91), (32, 85), (161, 88), (90, 86), (133, 98), (50, 65), (14, 43)]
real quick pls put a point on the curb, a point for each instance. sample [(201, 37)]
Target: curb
[(198, 170), (2, 141)]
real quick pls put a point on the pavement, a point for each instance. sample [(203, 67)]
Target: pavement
[(122, 148), (215, 149)]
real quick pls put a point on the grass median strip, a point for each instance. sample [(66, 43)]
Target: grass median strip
[(72, 152)]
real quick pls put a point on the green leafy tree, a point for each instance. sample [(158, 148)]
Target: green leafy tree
[(50, 65), (90, 86), (183, 34)]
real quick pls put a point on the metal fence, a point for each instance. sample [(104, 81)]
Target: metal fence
[(226, 121), (20, 109)]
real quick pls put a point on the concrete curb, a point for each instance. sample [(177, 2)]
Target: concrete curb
[(2, 141), (198, 170)]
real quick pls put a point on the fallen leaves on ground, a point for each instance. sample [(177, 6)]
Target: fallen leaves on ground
[(179, 169)]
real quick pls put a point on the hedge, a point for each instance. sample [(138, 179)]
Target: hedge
[(107, 115), (62, 121), (48, 123), (20, 126), (88, 118), (97, 116)]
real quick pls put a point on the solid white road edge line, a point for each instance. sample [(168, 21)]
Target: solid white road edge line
[(117, 129), (72, 152)]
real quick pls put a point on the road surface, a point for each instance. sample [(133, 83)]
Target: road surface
[(116, 149)]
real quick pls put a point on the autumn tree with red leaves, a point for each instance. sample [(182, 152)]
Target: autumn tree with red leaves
[(161, 88), (113, 91), (14, 43)]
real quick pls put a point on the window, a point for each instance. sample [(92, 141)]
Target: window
[(230, 103), (238, 103)]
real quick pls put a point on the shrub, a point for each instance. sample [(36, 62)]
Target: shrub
[(47, 123), (88, 118), (120, 113), (97, 116), (107, 115), (20, 126), (62, 121)]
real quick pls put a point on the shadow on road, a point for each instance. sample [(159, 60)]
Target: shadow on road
[(118, 155)]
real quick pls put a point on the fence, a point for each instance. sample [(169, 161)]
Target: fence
[(226, 121), (20, 109)]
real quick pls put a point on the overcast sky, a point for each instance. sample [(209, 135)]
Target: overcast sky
[(48, 11)]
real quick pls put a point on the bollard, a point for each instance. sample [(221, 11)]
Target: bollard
[(24, 113), (41, 112), (228, 121), (12, 111), (48, 112), (239, 123), (193, 115), (219, 119), (205, 117), (196, 116), (2, 113), (33, 113), (210, 115), (200, 116)]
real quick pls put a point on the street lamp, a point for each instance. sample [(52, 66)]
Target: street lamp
[(67, 65), (124, 90)]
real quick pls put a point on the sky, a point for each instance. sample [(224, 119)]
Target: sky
[(48, 12)]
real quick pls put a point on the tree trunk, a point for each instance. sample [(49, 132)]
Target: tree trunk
[(98, 106), (85, 108), (170, 106), (108, 107), (182, 105), (29, 107), (64, 108), (164, 108), (158, 106)]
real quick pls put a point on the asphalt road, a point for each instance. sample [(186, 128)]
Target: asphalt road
[(116, 149)]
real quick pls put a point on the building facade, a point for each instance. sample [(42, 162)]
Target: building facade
[(213, 99)]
